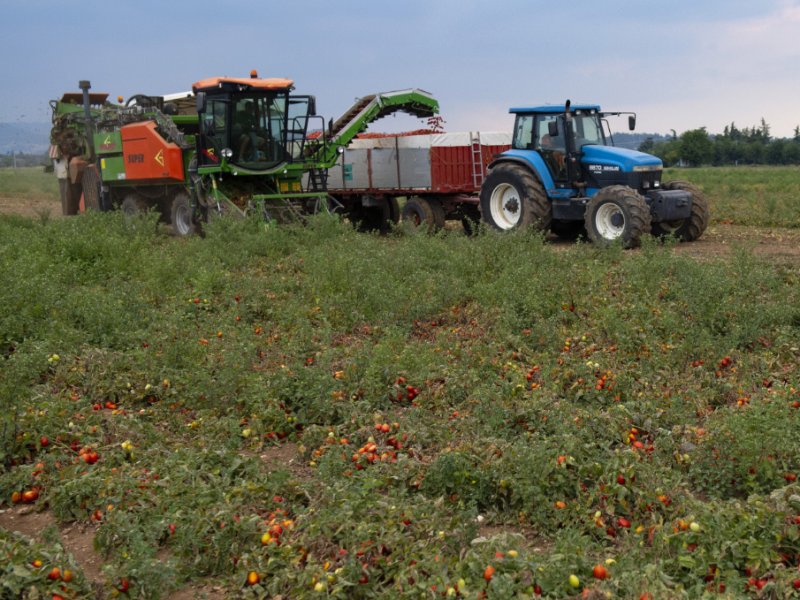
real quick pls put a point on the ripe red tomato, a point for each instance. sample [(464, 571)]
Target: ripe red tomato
[(44, 442), (54, 574), (623, 522), (488, 573), (600, 572), (31, 495), (124, 584)]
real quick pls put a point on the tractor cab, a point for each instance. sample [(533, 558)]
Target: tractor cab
[(579, 155), (253, 125)]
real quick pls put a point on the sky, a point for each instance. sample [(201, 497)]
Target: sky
[(679, 65)]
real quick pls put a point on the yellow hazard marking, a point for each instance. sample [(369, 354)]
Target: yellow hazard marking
[(107, 141), (160, 157), (102, 164)]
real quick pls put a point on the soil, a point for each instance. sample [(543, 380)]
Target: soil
[(720, 240), (77, 538)]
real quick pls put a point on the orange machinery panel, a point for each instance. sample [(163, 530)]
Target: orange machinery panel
[(149, 156)]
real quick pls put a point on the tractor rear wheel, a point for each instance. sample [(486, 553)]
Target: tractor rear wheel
[(512, 198), (182, 215), (421, 214), (617, 213), (687, 230)]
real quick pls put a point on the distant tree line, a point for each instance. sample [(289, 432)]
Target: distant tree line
[(748, 146)]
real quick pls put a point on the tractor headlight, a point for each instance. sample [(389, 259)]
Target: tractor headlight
[(226, 153), (647, 168)]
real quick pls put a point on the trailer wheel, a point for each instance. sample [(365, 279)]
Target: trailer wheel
[(512, 198), (91, 188), (420, 214), (687, 230), (182, 215), (375, 218), (617, 213)]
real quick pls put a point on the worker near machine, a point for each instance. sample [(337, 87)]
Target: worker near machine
[(250, 142), (60, 168)]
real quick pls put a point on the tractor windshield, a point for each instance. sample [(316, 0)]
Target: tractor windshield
[(587, 130)]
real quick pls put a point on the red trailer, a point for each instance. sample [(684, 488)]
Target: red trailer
[(439, 175)]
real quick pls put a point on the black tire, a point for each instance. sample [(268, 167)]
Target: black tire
[(617, 213), (375, 218), (182, 215), (568, 230), (393, 214), (420, 214), (133, 205), (470, 221), (91, 188), (687, 230), (513, 198), (439, 216)]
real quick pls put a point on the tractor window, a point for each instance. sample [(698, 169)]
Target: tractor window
[(523, 132), (544, 141)]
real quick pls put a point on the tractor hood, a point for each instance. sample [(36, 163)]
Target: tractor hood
[(626, 160)]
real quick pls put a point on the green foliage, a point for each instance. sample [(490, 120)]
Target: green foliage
[(359, 416)]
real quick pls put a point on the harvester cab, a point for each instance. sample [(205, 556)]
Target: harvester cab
[(250, 126), (563, 173)]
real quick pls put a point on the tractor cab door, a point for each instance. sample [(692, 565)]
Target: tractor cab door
[(549, 140)]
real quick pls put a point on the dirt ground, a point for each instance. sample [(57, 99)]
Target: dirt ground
[(720, 239)]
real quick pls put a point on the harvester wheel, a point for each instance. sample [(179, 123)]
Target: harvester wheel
[(133, 205), (513, 198), (687, 230), (182, 215), (420, 214), (91, 188), (617, 213)]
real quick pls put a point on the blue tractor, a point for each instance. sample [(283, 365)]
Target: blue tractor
[(563, 174)]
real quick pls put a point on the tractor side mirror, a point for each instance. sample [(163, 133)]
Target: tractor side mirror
[(552, 128), (201, 102), (632, 122)]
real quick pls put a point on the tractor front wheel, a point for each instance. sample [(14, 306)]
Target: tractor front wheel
[(617, 213), (687, 230), (512, 198)]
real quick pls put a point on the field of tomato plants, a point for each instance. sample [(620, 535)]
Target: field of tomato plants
[(311, 412)]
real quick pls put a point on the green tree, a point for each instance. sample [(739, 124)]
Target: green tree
[(696, 147)]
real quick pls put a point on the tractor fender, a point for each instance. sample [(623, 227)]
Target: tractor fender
[(531, 161)]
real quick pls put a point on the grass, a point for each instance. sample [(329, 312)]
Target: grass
[(28, 182), (354, 416), (753, 196)]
